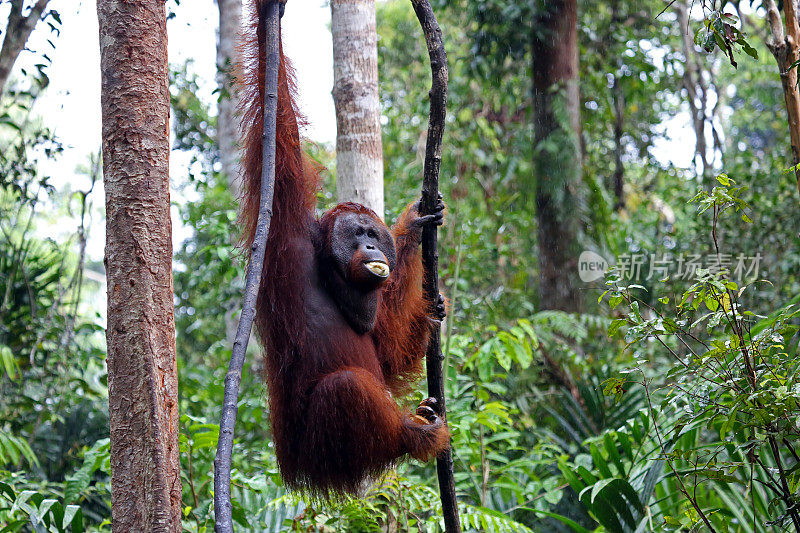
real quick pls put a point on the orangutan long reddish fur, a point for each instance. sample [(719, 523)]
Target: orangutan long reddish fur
[(330, 431)]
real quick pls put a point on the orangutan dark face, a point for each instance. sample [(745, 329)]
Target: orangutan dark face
[(363, 249)]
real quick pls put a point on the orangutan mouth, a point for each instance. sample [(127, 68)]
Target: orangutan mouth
[(379, 268)]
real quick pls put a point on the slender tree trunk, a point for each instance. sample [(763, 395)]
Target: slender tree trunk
[(618, 95), (785, 46), (359, 151), (18, 30), (696, 90), (619, 122), (142, 370), (230, 18), (558, 154)]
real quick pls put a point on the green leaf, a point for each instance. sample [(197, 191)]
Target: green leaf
[(503, 357), (611, 447), (574, 481), (621, 495), (93, 459), (599, 461), (700, 36), (749, 50), (45, 506), (9, 362), (614, 327), (576, 527)]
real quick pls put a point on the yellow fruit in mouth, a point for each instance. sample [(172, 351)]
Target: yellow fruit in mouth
[(379, 268)]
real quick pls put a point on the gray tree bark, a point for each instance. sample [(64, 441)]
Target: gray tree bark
[(359, 150), (784, 43), (142, 370), (18, 30), (230, 19)]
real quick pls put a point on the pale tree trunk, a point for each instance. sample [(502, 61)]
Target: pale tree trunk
[(18, 30), (558, 154), (696, 90), (230, 16), (785, 46), (142, 370), (230, 20), (359, 151)]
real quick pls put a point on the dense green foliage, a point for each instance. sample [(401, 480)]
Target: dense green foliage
[(671, 403)]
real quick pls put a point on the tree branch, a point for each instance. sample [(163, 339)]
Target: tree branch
[(18, 30), (222, 462), (430, 256), (785, 46), (775, 23)]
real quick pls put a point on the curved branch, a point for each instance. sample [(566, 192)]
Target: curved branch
[(430, 257)]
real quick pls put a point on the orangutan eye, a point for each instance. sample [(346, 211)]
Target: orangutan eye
[(372, 234)]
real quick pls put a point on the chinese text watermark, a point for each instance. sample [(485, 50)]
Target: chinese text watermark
[(644, 267)]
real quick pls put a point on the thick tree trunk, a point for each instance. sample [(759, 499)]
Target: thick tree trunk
[(785, 46), (142, 370), (18, 30), (230, 17), (359, 151), (558, 154)]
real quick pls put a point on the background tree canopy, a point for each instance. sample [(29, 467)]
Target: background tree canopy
[(666, 398)]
